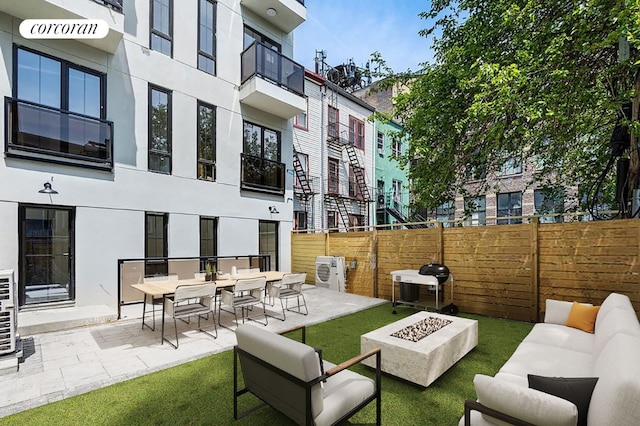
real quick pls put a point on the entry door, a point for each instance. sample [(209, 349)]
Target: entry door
[(46, 254), (268, 241)]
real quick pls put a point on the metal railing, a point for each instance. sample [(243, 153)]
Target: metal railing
[(260, 174), (114, 4), (259, 60), (39, 131)]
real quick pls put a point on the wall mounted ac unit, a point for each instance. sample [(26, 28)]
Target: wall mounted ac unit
[(8, 312), (330, 272)]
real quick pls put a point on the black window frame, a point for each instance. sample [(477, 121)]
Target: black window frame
[(160, 265), (507, 218), (200, 161), (214, 240), (201, 52), (153, 31), (150, 151), (53, 156)]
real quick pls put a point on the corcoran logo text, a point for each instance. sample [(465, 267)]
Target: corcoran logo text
[(64, 28)]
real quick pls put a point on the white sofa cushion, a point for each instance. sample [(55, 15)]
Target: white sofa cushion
[(614, 300), (523, 403), (617, 320), (557, 311), (546, 360), (616, 397), (561, 336)]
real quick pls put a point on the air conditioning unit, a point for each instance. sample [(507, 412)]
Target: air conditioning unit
[(330, 272), (8, 312)]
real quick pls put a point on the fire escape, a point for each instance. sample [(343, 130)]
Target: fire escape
[(303, 188), (358, 199)]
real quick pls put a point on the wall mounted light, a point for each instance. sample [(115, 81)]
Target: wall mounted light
[(273, 210), (47, 189), (272, 12)]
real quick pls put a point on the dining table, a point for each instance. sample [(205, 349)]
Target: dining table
[(162, 289)]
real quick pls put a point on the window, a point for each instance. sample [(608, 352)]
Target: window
[(206, 142), (208, 239), (548, 201), (476, 210), (381, 195), (356, 220), (162, 26), (333, 128), (159, 130), (268, 242), (261, 166), (512, 166), (397, 193), (299, 220), (207, 36), (300, 120), (47, 258), (58, 112), (381, 144), (332, 220), (356, 179), (356, 132), (303, 159), (446, 213), (396, 147), (155, 244), (333, 179), (510, 205), (251, 35)]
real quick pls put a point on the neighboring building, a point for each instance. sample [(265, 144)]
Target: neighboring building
[(170, 137), (334, 166)]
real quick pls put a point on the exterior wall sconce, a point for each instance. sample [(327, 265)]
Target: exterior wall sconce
[(273, 210), (47, 189)]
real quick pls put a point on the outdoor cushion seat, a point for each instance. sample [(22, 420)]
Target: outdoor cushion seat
[(289, 287), (287, 375), (188, 300)]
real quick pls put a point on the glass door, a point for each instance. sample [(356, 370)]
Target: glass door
[(46, 254)]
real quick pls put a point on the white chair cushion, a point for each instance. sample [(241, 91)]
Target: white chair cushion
[(523, 403), (545, 360), (617, 320), (343, 392), (561, 336), (614, 300)]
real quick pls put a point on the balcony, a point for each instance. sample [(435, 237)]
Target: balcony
[(109, 11), (42, 133), (284, 14), (262, 175), (272, 82)]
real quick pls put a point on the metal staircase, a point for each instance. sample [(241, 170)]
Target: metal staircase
[(357, 171), (301, 174)]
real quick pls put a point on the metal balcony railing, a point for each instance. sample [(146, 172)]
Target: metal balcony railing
[(260, 174), (41, 132), (259, 60), (114, 4)]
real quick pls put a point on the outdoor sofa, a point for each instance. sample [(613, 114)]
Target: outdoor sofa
[(564, 360)]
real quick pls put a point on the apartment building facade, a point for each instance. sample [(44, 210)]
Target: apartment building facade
[(168, 138), (333, 159)]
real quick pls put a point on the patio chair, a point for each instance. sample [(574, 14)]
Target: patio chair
[(288, 288), (188, 300), (246, 293), (154, 300), (291, 377)]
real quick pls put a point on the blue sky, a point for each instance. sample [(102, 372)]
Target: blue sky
[(353, 29)]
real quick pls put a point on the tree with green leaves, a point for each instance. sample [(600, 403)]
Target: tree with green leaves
[(542, 81)]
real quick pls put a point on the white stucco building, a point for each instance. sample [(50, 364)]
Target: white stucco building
[(171, 137)]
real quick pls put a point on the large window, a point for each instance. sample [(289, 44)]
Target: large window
[(513, 166), (208, 239), (355, 189), (510, 207), (46, 254), (58, 112), (300, 219), (333, 128), (268, 242), (356, 132), (446, 213), (397, 193), (300, 120), (155, 244), (549, 201), (381, 144), (332, 220), (207, 36), (396, 146), (251, 35), (261, 166), (333, 178), (206, 142), (476, 210), (162, 26), (159, 130)]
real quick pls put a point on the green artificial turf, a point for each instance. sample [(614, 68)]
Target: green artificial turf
[(201, 392)]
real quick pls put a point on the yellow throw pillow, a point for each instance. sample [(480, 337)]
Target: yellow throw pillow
[(582, 317)]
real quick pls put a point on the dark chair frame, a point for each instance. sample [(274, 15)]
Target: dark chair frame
[(471, 405)]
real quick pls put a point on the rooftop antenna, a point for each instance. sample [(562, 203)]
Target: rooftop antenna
[(321, 55)]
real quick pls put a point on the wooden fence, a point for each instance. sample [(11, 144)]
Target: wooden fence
[(506, 271)]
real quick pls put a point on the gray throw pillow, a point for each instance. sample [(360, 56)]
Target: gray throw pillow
[(574, 389)]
